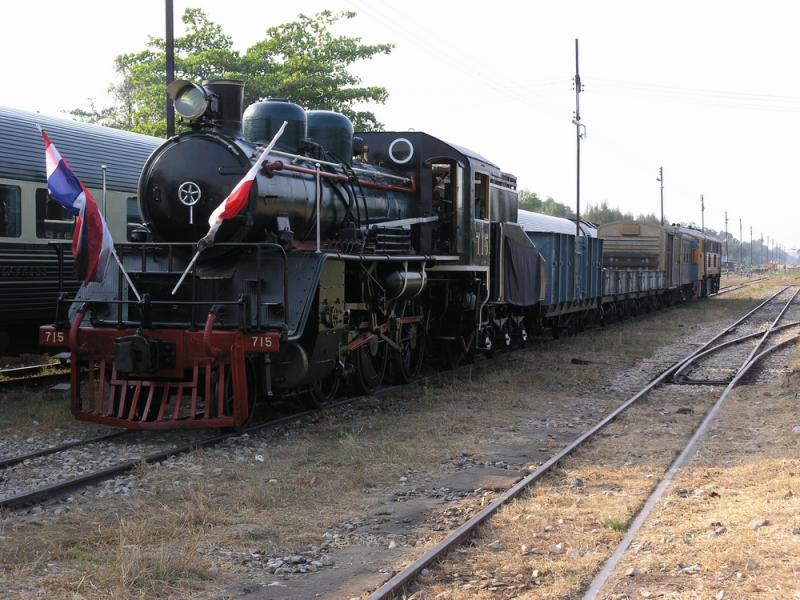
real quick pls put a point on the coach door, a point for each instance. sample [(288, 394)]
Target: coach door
[(675, 279), (481, 226)]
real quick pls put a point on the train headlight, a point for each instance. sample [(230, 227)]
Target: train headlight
[(191, 101)]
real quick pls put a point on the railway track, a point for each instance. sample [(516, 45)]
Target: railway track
[(20, 458), (733, 288), (758, 352), (62, 488), (401, 580), (34, 375), (67, 486)]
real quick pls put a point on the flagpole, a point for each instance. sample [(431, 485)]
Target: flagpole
[(186, 271), (114, 250), (125, 273), (105, 206)]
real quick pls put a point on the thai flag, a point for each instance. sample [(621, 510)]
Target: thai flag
[(238, 198), (91, 239)]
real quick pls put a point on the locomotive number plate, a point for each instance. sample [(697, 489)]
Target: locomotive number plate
[(264, 342), (50, 337)]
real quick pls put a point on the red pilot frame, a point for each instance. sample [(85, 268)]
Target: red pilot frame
[(204, 383)]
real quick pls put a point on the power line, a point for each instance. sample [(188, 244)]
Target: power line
[(766, 102), (422, 37)]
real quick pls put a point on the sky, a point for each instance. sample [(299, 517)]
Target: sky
[(708, 90)]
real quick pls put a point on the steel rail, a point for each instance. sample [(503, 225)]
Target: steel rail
[(61, 488), (401, 579), (754, 357), (42, 379), (15, 460), (17, 372), (679, 376)]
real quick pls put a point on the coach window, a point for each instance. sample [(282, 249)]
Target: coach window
[(52, 221), (10, 207), (134, 217)]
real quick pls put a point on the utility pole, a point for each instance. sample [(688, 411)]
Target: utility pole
[(761, 249), (751, 247), (580, 133), (170, 50), (702, 215), (660, 179)]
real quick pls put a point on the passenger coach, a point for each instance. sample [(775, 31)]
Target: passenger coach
[(29, 221)]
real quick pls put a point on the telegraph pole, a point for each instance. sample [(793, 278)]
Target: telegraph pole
[(580, 133), (660, 179), (761, 249), (751, 247), (170, 51), (702, 215)]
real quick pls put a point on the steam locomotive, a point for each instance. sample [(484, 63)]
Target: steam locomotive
[(356, 259)]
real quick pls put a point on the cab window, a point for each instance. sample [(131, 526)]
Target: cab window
[(10, 211), (481, 194), (53, 222)]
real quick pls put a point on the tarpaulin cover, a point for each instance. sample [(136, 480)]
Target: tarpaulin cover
[(522, 273)]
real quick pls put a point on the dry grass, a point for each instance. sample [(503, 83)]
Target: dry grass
[(747, 469), (736, 279), (561, 532), (340, 467), (25, 411)]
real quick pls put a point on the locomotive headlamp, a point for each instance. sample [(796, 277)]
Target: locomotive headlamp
[(191, 101)]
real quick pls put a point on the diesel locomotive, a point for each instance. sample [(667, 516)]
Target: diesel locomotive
[(356, 259)]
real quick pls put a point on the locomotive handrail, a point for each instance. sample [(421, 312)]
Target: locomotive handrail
[(373, 174), (270, 167)]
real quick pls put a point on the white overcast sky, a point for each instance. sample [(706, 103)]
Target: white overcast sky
[(707, 89)]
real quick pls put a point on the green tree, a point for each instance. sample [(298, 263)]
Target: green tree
[(301, 60), (529, 200), (595, 213)]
